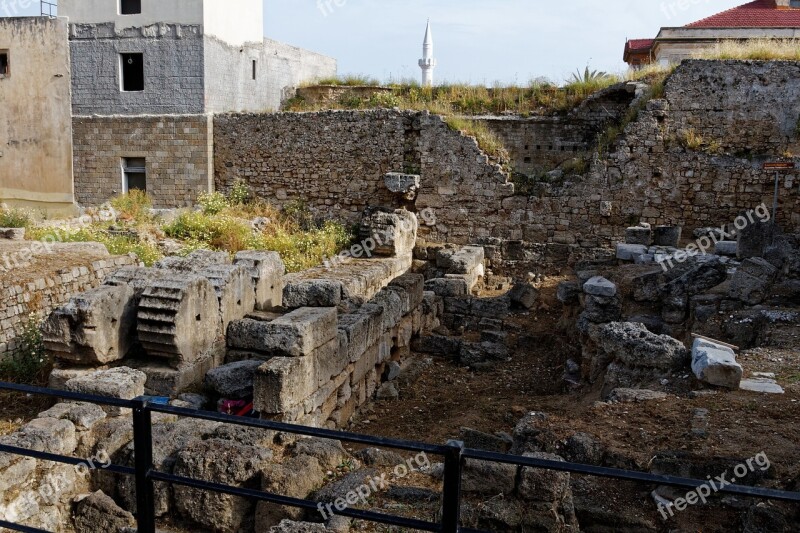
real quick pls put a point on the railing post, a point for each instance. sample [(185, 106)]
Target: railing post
[(143, 459), (451, 508)]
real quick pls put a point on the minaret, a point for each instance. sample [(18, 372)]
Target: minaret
[(427, 63)]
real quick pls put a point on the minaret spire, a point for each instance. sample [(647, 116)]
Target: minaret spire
[(427, 63)]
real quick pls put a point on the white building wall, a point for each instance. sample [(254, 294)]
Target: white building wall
[(153, 12), (234, 21)]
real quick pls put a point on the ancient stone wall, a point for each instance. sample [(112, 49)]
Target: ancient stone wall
[(23, 293), (335, 161), (178, 150)]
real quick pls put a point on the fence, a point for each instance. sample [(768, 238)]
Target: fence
[(454, 454)]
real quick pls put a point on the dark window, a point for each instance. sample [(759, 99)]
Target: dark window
[(254, 69), (134, 174), (132, 72), (4, 67), (130, 7)]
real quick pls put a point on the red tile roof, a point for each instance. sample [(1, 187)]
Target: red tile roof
[(758, 14), (639, 44)]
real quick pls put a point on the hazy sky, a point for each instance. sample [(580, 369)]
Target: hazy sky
[(510, 41)]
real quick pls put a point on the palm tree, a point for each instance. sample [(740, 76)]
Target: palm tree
[(588, 76)]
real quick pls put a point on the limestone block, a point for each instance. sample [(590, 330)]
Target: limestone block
[(627, 252), (179, 317), (171, 380), (568, 292), (234, 380), (312, 293), (394, 233), (234, 288), (638, 235), (726, 248), (489, 479), (524, 295), (600, 286), (392, 306), (460, 261), (716, 364), (12, 234), (413, 285), (329, 361), (667, 236), (447, 286), (98, 512), (635, 346), (296, 334), (48, 435), (95, 327), (296, 477), (542, 485), (122, 382), (267, 270), (139, 278), (282, 383), (752, 281), (405, 185), (195, 261), (225, 462), (83, 415)]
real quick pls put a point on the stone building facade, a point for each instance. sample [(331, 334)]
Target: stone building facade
[(165, 63), (35, 123)]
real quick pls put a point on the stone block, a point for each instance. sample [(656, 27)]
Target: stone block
[(122, 382), (667, 236), (488, 479), (599, 286), (394, 233), (638, 235), (752, 281), (542, 485), (414, 287), (312, 293), (404, 185), (628, 252), (296, 334), (392, 306), (446, 287), (568, 292), (465, 260), (179, 317), (49, 435), (716, 364), (266, 270), (753, 239), (98, 512), (235, 291), (524, 295), (12, 234), (282, 383), (171, 381), (224, 462), (94, 328), (233, 380), (726, 248), (83, 415)]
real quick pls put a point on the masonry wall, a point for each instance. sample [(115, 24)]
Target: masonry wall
[(173, 69), (178, 151), (336, 160), (35, 122), (280, 69), (21, 295)]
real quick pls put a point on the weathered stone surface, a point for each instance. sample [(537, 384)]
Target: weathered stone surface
[(484, 441), (753, 239), (223, 462), (539, 484), (716, 364), (568, 292), (266, 270), (172, 379), (48, 435), (12, 234), (489, 479), (289, 526), (122, 382), (627, 252), (601, 309), (296, 334), (623, 395), (344, 485), (447, 286), (635, 346), (727, 248), (524, 295), (583, 448), (667, 236), (179, 317), (295, 477), (95, 327), (752, 281), (394, 233), (233, 285), (283, 383), (412, 287), (600, 286), (234, 380), (98, 512), (83, 415), (531, 434), (639, 235), (387, 391), (405, 185), (329, 453), (312, 293), (379, 458)]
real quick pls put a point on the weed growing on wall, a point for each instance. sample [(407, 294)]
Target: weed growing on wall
[(15, 218), (29, 362)]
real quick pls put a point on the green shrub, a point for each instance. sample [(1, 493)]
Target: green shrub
[(133, 206), (29, 362), (15, 218), (240, 193), (212, 203), (217, 231)]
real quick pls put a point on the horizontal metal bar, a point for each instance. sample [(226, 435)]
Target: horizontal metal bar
[(742, 490), (63, 459), (66, 395), (294, 502), (302, 430), (18, 527)]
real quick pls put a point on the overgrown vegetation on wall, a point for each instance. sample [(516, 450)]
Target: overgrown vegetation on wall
[(15, 218), (229, 223), (28, 363), (754, 49)]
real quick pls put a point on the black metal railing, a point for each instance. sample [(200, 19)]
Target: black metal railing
[(454, 454)]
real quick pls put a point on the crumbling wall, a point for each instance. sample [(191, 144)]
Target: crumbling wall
[(178, 150)]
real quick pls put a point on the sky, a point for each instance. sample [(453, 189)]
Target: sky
[(482, 42)]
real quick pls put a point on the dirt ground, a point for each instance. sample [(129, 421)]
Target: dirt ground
[(740, 424)]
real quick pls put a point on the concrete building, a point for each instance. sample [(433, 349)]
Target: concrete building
[(760, 19), (147, 77), (36, 120)]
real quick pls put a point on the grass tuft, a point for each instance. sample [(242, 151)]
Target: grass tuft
[(754, 49)]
